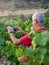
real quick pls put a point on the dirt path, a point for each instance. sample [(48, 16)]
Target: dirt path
[(18, 12), (17, 7)]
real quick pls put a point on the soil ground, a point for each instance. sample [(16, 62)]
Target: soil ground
[(17, 7)]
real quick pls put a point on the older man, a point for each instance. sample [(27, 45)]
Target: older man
[(38, 24)]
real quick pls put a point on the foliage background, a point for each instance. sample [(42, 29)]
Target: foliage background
[(38, 56)]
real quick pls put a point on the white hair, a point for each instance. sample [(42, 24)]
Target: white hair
[(39, 16)]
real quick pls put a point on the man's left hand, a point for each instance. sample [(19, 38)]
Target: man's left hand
[(9, 29)]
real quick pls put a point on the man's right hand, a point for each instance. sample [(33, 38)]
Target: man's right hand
[(18, 29), (9, 29)]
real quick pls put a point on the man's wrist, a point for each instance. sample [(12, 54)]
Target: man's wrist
[(10, 32)]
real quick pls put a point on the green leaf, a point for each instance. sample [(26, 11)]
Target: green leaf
[(46, 59), (41, 39), (43, 50), (1, 41), (36, 62), (19, 52), (32, 35), (29, 51), (47, 45), (28, 63)]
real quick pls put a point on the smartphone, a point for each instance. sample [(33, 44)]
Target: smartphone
[(14, 28)]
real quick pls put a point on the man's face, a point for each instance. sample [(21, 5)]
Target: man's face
[(34, 22)]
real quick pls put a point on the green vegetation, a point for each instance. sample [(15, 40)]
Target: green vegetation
[(47, 14), (38, 52)]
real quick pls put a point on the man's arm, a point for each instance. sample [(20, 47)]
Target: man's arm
[(18, 29), (24, 33), (13, 38)]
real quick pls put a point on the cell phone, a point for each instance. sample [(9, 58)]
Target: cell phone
[(14, 28)]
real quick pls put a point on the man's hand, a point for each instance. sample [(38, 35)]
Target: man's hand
[(18, 29), (9, 29), (13, 38), (22, 59)]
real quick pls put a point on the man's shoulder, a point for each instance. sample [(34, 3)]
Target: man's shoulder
[(42, 28)]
